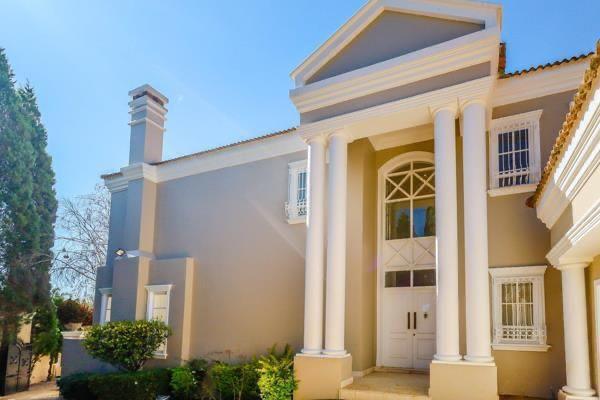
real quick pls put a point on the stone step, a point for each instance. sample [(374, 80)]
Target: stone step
[(387, 385)]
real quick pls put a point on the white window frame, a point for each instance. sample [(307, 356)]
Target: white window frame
[(531, 121), (152, 290), (535, 275), (296, 211), (105, 293)]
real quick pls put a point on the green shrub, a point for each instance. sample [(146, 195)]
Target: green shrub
[(276, 371), (199, 368), (234, 382), (126, 344), (140, 385), (76, 387), (184, 385)]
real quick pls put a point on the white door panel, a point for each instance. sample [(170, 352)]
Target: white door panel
[(397, 346)]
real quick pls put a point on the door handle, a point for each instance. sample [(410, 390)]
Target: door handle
[(415, 320), (408, 319)]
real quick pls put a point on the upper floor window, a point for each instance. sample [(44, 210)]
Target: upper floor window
[(518, 308), (105, 305), (296, 206), (158, 308), (515, 153)]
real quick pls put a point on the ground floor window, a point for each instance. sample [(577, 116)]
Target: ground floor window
[(518, 308), (105, 305), (158, 308)]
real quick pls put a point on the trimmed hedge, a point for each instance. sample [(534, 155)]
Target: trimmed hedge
[(141, 385), (76, 387)]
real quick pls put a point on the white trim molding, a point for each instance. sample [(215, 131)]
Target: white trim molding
[(152, 290), (196, 164), (399, 114), (580, 243), (486, 14), (528, 336), (105, 294), (579, 161), (515, 174), (466, 51), (508, 190)]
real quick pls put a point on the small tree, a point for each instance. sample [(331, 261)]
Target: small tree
[(70, 311), (46, 337), (126, 344)]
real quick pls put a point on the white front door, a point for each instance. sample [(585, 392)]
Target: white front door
[(406, 267), (408, 321)]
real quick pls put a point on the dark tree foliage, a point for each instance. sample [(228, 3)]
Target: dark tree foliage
[(27, 205), (44, 196)]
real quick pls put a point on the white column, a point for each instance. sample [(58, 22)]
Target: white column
[(315, 248), (577, 354), (447, 330), (477, 292), (336, 245)]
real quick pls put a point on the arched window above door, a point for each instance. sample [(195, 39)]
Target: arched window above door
[(410, 201)]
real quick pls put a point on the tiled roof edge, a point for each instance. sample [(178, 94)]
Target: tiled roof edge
[(568, 127)]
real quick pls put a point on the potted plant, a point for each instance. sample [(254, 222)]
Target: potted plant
[(72, 314)]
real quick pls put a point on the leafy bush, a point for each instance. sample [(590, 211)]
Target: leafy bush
[(140, 385), (184, 385), (76, 387), (126, 344), (199, 368), (276, 371), (72, 311), (236, 382)]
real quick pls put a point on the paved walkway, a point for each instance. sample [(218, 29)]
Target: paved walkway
[(39, 391)]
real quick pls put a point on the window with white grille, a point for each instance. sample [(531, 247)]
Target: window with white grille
[(157, 307), (296, 206), (515, 151), (518, 308)]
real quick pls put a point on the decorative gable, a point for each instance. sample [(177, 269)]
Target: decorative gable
[(386, 29), (393, 34)]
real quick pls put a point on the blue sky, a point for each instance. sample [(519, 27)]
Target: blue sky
[(224, 65)]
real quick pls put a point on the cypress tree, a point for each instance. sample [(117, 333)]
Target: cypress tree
[(19, 219), (44, 196)]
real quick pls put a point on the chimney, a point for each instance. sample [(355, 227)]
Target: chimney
[(148, 115)]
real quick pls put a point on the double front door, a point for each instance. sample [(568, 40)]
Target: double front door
[(408, 325)]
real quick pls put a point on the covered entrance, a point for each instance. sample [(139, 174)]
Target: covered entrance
[(406, 262)]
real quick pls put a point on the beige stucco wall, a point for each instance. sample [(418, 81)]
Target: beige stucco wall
[(361, 256), (249, 283), (393, 34)]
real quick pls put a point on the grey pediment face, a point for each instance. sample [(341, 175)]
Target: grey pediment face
[(391, 35)]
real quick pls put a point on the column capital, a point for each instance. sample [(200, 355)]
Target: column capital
[(341, 133), (572, 265), (450, 106), (481, 100), (322, 139)]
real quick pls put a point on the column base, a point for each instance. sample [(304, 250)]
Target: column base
[(321, 377), (463, 380), (567, 393)]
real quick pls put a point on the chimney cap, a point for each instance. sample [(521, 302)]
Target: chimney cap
[(146, 89)]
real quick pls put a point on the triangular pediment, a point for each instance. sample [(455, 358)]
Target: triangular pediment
[(385, 29)]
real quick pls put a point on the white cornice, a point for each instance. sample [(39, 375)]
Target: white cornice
[(488, 15), (469, 50), (413, 111), (531, 85), (566, 250), (534, 270), (579, 161), (236, 155)]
